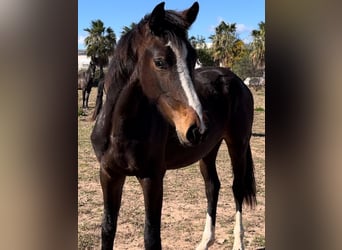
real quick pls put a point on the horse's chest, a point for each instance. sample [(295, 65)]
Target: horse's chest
[(136, 151), (138, 136), (129, 156)]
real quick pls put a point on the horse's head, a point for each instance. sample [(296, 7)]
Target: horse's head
[(166, 62), (89, 75)]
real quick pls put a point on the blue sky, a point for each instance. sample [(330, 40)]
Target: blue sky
[(119, 13)]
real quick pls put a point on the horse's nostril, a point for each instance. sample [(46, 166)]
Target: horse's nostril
[(193, 135)]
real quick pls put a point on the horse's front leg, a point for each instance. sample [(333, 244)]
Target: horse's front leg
[(153, 197), (112, 185), (88, 90), (87, 100), (212, 187)]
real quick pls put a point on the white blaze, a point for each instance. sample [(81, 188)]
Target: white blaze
[(186, 81)]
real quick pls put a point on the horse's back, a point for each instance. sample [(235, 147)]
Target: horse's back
[(222, 87), (226, 96), (228, 107), (218, 78), (212, 72)]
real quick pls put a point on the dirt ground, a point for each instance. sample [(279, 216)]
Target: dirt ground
[(184, 206)]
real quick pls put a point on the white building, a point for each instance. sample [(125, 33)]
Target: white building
[(83, 60)]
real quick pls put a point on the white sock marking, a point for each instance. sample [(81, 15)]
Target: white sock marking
[(238, 232), (186, 81), (208, 236)]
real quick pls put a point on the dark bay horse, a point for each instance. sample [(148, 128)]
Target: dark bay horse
[(85, 83), (99, 98), (161, 114)]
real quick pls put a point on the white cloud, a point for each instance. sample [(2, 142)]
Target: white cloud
[(244, 32), (241, 28), (81, 40), (213, 26), (247, 39)]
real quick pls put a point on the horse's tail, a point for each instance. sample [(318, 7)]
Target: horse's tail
[(250, 186), (99, 99)]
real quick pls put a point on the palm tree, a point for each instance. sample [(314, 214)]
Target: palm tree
[(238, 50), (100, 43), (224, 43), (204, 53), (243, 65), (127, 29), (258, 46), (198, 42)]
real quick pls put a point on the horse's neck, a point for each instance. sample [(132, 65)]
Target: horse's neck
[(129, 99), (136, 119), (90, 73), (129, 106)]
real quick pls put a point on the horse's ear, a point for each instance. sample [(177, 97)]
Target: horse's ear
[(191, 13), (157, 17)]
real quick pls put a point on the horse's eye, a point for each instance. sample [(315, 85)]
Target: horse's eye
[(160, 63)]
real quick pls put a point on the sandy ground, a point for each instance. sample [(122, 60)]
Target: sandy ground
[(184, 207)]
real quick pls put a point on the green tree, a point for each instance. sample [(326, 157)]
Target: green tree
[(197, 42), (244, 66), (238, 50), (258, 46), (127, 29), (100, 43), (226, 45), (205, 55)]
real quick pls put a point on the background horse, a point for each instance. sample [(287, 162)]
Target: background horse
[(160, 114), (99, 98), (86, 82)]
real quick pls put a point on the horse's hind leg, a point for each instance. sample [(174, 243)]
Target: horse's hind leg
[(87, 99), (83, 98), (87, 96), (99, 99), (212, 187), (243, 185), (112, 192)]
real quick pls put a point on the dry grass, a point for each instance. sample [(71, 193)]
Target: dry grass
[(184, 207)]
